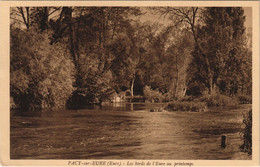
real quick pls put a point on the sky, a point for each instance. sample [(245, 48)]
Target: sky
[(156, 18), (153, 18)]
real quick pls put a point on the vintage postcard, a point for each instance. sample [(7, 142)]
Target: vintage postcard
[(129, 83)]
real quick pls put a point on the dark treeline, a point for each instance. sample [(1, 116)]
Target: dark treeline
[(84, 55)]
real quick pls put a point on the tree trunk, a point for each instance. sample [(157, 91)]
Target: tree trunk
[(28, 16), (44, 14), (177, 78), (176, 88), (26, 21), (73, 51), (68, 18), (184, 91), (132, 87), (241, 90), (212, 84)]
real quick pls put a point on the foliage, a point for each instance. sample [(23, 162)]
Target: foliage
[(195, 86), (152, 95), (179, 53), (189, 99), (247, 133), (96, 81), (244, 99), (123, 65), (218, 100), (222, 64), (186, 106), (41, 74), (99, 88), (113, 49)]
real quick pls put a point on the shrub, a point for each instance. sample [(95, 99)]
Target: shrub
[(244, 99), (167, 97), (41, 75), (247, 133), (218, 100), (153, 95), (189, 99), (186, 106)]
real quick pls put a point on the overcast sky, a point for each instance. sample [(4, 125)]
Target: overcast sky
[(155, 18)]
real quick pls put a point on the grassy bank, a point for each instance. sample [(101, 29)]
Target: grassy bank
[(186, 106)]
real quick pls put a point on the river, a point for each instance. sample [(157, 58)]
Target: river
[(126, 131)]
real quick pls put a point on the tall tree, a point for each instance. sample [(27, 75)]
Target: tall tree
[(223, 43), (180, 55), (219, 43)]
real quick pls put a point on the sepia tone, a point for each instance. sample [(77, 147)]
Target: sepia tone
[(131, 83)]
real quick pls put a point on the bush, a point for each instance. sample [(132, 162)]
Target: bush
[(244, 99), (247, 133), (153, 95), (218, 100), (189, 99), (41, 75), (167, 97), (212, 100), (186, 106)]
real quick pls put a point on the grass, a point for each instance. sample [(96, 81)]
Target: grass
[(216, 100), (198, 104), (186, 106)]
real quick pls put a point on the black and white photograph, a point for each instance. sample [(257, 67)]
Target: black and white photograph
[(131, 83)]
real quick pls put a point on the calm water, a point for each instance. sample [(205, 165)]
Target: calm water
[(126, 131)]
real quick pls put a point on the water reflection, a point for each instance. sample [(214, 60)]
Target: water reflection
[(120, 106), (26, 114)]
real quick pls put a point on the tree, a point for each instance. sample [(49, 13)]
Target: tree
[(220, 49), (33, 16), (41, 75), (89, 33), (180, 54), (223, 43), (124, 66), (184, 19)]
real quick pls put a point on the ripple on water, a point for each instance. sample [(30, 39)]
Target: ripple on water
[(98, 133)]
